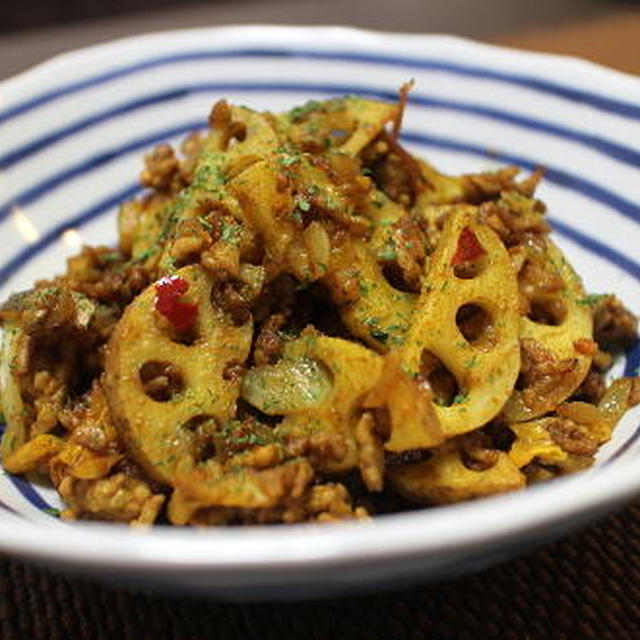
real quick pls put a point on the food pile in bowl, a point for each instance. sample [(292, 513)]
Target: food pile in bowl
[(304, 322)]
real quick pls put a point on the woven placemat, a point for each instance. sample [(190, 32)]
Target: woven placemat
[(584, 586)]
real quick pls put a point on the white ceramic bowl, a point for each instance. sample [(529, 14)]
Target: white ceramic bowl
[(72, 133)]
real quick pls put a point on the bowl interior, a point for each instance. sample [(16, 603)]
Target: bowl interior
[(74, 131)]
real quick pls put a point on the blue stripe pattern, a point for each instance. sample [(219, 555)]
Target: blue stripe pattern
[(40, 189), (598, 101), (104, 206), (591, 190), (620, 152)]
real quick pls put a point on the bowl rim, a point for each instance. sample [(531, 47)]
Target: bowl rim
[(442, 530)]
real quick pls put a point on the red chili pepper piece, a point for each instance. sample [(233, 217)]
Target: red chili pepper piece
[(469, 248), (180, 314)]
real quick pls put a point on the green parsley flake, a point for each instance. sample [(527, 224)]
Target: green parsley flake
[(388, 252), (459, 398), (288, 161), (593, 300), (379, 335), (231, 234)]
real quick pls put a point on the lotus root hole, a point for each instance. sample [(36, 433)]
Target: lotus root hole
[(187, 337), (161, 381), (203, 428), (549, 311), (394, 276), (443, 383), (470, 269), (475, 324)]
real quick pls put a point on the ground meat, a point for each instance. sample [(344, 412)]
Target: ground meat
[(320, 448), (103, 275), (231, 298), (270, 342), (89, 422), (477, 452), (49, 308), (117, 287), (483, 187), (586, 347), (56, 354), (572, 437), (162, 170), (592, 389), (328, 502), (220, 119), (118, 498), (514, 220), (540, 369), (394, 171), (614, 326), (407, 251)]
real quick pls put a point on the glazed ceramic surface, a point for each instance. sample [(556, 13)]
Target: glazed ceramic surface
[(72, 135)]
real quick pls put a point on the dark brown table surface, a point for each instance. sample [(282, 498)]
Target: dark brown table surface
[(586, 585)]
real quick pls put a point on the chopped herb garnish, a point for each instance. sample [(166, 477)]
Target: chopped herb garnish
[(113, 256), (300, 113), (365, 288), (459, 398), (380, 335), (593, 299), (331, 203), (147, 253), (287, 160), (231, 234), (388, 252)]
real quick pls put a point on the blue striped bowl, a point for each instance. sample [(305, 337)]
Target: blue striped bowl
[(72, 132)]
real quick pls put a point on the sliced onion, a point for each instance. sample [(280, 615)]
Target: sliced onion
[(286, 387)]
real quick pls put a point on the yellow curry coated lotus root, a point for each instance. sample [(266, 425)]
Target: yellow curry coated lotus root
[(378, 313), (445, 478), (485, 369), (157, 431), (559, 340)]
